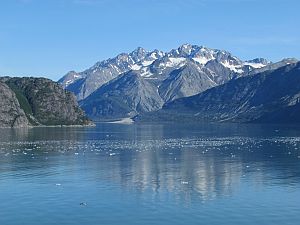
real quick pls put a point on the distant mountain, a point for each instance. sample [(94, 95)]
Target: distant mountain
[(124, 96), (37, 101), (271, 96), (157, 66), (274, 66), (182, 72)]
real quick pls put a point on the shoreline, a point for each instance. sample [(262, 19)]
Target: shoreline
[(45, 126)]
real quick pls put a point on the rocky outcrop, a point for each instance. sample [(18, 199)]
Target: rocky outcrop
[(44, 102), (11, 114)]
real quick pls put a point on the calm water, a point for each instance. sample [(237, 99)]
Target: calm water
[(150, 174)]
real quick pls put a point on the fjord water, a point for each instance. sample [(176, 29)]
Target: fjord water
[(150, 174)]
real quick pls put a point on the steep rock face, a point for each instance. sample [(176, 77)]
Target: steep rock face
[(271, 96), (11, 114), (222, 74), (186, 81), (125, 96), (46, 103)]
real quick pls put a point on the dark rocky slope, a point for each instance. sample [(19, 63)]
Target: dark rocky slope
[(272, 96)]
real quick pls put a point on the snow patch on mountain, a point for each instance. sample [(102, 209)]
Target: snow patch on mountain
[(147, 63), (202, 60), (135, 67), (255, 65), (175, 62), (234, 68)]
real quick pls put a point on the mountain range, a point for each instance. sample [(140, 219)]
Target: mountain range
[(190, 83), (143, 81), (272, 96)]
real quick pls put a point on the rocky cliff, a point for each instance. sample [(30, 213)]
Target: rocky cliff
[(39, 101), (11, 114)]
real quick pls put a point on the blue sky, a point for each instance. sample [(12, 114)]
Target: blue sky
[(50, 37)]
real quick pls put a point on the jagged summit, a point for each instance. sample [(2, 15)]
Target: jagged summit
[(138, 54), (155, 64)]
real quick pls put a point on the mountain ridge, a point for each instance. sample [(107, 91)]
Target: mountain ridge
[(262, 97), (151, 64)]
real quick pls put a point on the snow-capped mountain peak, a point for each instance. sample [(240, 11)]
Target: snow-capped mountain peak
[(157, 65), (138, 54)]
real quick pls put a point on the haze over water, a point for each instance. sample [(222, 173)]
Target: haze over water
[(150, 174)]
